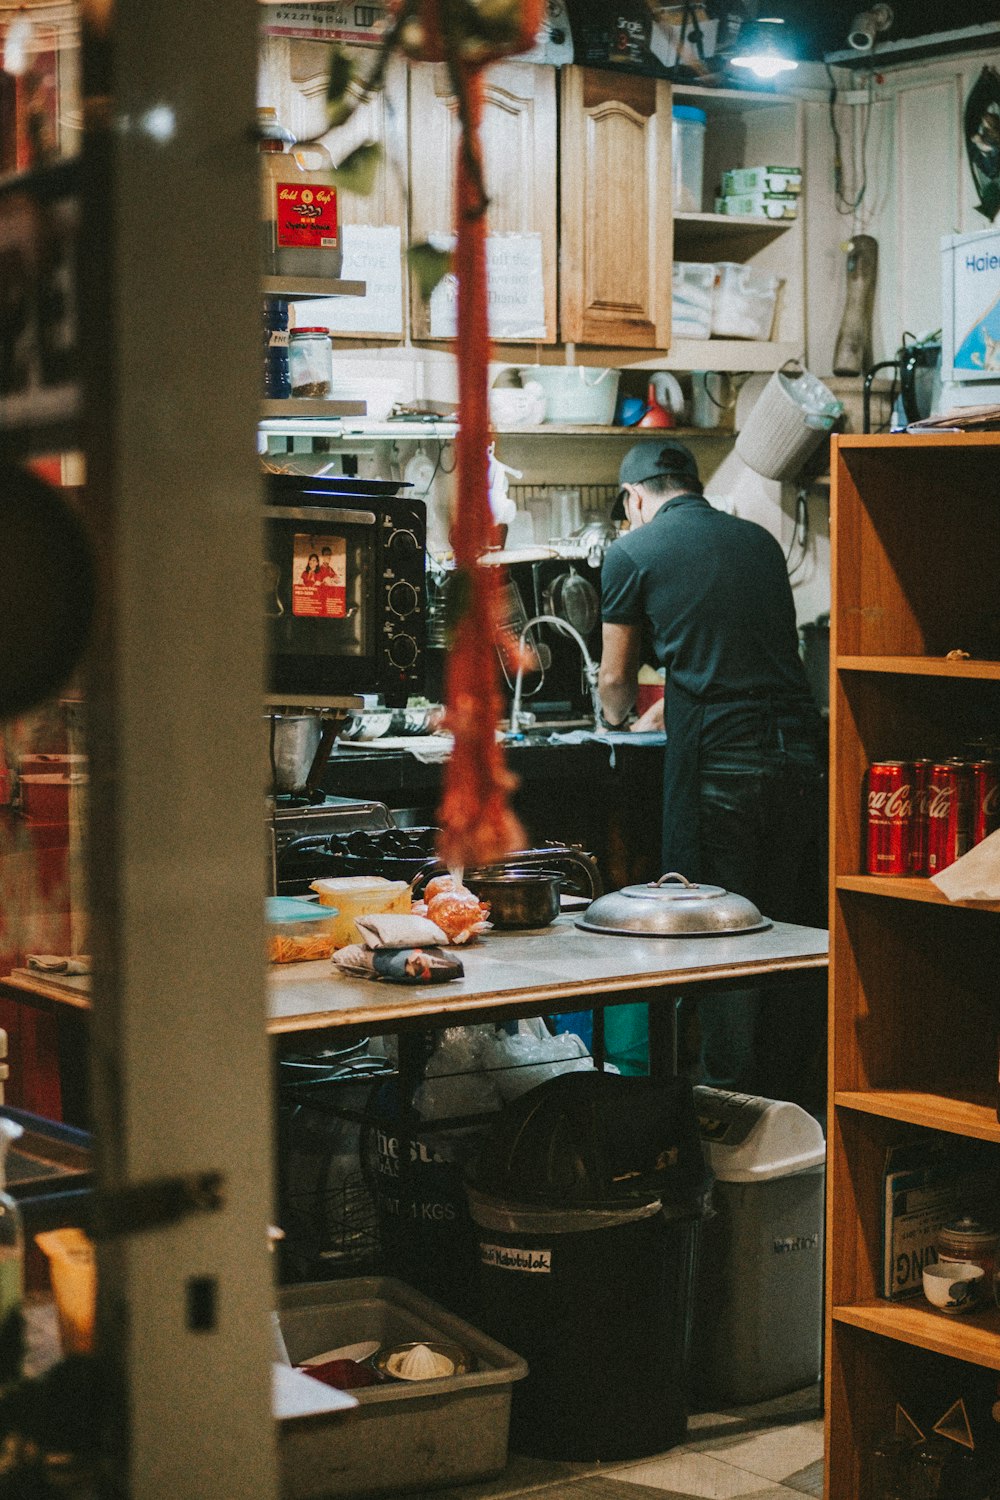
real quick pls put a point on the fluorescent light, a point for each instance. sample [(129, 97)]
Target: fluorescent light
[(17, 44), (763, 49)]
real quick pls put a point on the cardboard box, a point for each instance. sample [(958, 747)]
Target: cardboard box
[(762, 180), (761, 205)]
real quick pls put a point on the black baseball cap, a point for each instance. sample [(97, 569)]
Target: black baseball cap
[(646, 460)]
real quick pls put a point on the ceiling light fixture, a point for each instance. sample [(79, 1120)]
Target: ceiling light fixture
[(868, 26), (763, 49), (17, 44)]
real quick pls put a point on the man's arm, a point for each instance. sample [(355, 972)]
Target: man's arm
[(616, 681)]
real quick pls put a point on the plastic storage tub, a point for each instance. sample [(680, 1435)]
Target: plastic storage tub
[(298, 930), (693, 285), (402, 1435), (576, 394), (744, 301), (759, 1302), (356, 895), (687, 157)]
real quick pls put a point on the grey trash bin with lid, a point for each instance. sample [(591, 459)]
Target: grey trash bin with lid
[(759, 1301), (588, 1198)]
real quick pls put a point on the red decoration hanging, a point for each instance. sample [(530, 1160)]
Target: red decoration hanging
[(477, 823)]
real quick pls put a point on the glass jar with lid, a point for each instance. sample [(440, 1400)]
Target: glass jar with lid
[(300, 234), (310, 362), (967, 1241)]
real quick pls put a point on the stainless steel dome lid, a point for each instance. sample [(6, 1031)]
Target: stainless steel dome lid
[(672, 907)]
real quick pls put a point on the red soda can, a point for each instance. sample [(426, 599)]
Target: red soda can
[(920, 800), (948, 808), (889, 820), (985, 775)]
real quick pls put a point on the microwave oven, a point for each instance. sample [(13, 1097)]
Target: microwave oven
[(344, 588)]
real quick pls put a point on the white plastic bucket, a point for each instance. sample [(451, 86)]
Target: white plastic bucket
[(793, 415)]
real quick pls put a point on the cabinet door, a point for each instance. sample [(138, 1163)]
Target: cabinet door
[(616, 247), (519, 151), (293, 76)]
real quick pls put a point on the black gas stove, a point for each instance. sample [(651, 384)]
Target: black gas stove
[(312, 818)]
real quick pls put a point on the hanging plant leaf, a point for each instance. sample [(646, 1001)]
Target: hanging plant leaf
[(982, 140), (356, 173), (338, 106), (429, 265)]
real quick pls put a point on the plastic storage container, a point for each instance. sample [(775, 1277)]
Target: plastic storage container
[(300, 235), (355, 895), (687, 157), (693, 286), (744, 301), (759, 1306), (588, 1198), (576, 394), (298, 930), (404, 1435)]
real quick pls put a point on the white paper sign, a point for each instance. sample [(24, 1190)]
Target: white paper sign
[(515, 287), (372, 255)]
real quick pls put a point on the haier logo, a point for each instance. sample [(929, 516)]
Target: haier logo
[(982, 262)]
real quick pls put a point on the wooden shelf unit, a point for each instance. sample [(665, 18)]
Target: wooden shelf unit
[(915, 552)]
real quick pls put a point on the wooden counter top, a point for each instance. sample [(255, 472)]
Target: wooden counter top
[(557, 968)]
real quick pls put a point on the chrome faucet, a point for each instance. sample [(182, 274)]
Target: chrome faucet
[(590, 667)]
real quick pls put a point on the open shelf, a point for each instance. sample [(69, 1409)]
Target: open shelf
[(748, 355), (952, 1111), (311, 286), (698, 235), (972, 1337), (909, 888), (922, 666), (730, 101), (298, 407)]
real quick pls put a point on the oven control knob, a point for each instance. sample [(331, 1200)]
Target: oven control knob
[(403, 599), (402, 651), (402, 545)]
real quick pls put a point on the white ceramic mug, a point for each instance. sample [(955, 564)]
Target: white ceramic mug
[(953, 1286)]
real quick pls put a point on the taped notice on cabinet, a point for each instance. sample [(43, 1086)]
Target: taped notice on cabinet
[(372, 254), (515, 287)]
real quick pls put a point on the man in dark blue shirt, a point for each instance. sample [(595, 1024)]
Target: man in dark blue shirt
[(742, 801)]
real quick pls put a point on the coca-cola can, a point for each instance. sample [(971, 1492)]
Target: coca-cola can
[(920, 799), (889, 818), (985, 776), (949, 805)]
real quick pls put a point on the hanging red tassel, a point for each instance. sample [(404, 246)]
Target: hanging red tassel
[(477, 823)]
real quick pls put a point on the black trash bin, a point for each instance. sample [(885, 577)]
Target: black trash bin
[(588, 1198)]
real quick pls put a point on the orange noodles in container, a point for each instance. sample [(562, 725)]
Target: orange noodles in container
[(477, 823)]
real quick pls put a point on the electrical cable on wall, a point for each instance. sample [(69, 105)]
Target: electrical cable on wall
[(850, 206)]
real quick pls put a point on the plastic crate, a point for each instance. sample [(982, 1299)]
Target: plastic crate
[(401, 1436)]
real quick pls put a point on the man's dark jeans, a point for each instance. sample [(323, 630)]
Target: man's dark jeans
[(763, 835)]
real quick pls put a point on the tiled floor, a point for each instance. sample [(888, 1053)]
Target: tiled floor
[(773, 1451)]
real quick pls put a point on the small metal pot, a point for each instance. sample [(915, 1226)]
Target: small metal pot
[(517, 898), (672, 907), (293, 743)]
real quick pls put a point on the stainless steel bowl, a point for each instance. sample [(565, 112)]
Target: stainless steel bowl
[(518, 899), (672, 907)]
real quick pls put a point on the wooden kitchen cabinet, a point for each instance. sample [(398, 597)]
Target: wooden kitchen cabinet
[(915, 539), (293, 79), (519, 154), (616, 233)]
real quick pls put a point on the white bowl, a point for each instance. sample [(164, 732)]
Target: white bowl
[(953, 1286)]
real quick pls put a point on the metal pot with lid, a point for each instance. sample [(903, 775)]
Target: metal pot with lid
[(672, 907)]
